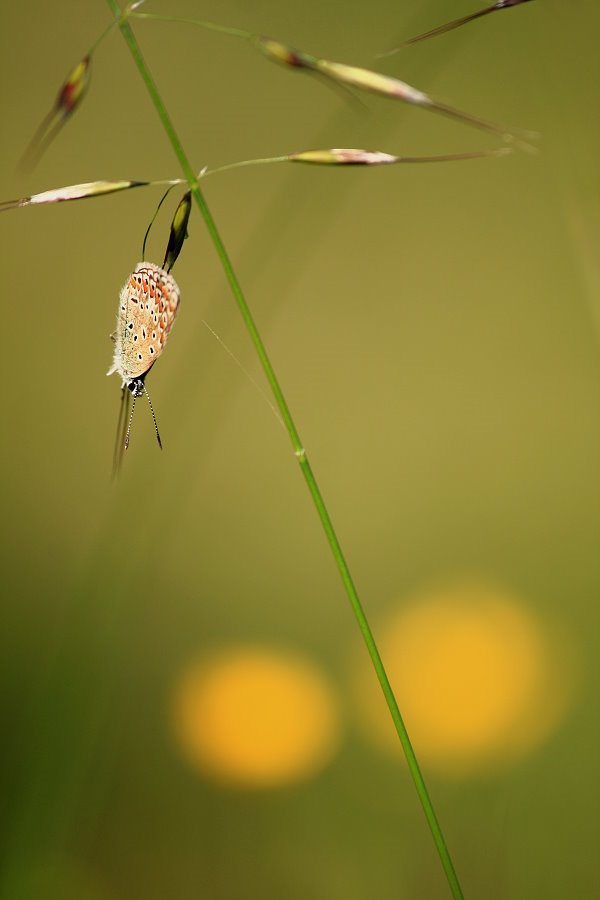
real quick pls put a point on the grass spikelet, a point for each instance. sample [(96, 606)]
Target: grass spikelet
[(73, 192), (353, 157), (376, 83), (455, 23), (178, 232), (69, 98)]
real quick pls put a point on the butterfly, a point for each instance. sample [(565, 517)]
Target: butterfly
[(148, 305)]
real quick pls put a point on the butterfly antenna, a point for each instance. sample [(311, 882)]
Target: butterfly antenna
[(135, 396), (153, 416)]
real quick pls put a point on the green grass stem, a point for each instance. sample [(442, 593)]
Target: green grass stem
[(298, 450)]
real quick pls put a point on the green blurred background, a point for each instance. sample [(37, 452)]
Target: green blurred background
[(436, 332)]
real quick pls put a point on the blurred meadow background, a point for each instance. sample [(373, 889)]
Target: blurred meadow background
[(188, 710)]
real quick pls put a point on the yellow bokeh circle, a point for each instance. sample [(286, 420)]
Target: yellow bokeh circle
[(256, 717), (480, 681)]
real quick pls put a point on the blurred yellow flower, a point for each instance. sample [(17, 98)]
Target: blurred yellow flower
[(256, 717), (479, 679)]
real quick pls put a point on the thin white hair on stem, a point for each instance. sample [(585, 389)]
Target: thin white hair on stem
[(246, 373)]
